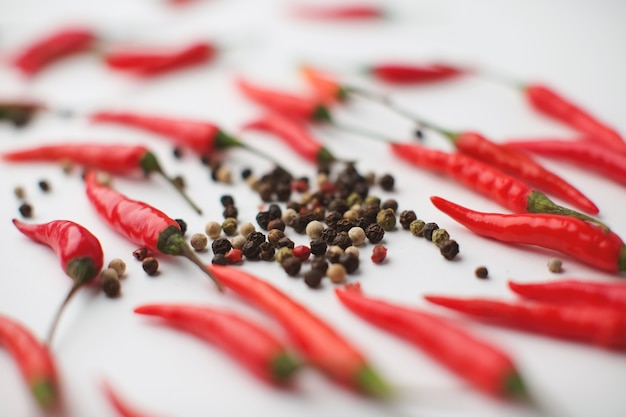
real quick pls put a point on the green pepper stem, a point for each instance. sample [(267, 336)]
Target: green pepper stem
[(371, 383), (57, 316), (188, 253), (284, 366), (540, 203)]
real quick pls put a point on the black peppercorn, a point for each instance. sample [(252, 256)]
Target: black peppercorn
[(374, 232), (267, 251), (221, 245), (387, 182), (251, 249), (266, 191), (245, 173), (294, 205), (390, 204), (338, 204), (318, 246), (276, 224), (342, 240), (332, 218), (299, 223), (256, 237), (328, 235), (220, 259), (362, 222), (319, 264), (183, 226), (428, 230), (481, 272), (370, 211), (449, 249), (344, 225), (177, 152), (285, 242), (349, 261), (230, 211), (263, 218), (26, 210), (406, 217), (292, 265), (313, 278), (227, 200), (44, 186), (283, 192), (274, 211)]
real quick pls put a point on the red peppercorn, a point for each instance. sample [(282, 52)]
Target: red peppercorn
[(379, 253), (301, 252), (234, 256)]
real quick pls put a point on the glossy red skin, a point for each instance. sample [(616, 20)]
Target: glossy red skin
[(70, 241), (121, 406), (52, 47), (586, 151), (319, 343), (550, 103), (327, 89), (195, 135), (250, 343), (480, 363), (33, 358), (293, 132), (582, 240), (339, 12), (574, 292), (116, 159), (478, 176), (413, 74), (520, 165), (156, 62), (137, 221), (601, 326)]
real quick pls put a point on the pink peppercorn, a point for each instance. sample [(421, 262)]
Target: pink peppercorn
[(234, 256), (379, 253), (301, 252)]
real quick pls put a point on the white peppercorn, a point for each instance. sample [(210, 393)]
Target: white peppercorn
[(213, 229), (314, 229), (336, 273), (357, 235)]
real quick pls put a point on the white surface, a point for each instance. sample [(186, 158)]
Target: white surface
[(577, 47)]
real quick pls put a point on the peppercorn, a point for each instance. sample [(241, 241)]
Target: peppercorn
[(251, 249), (263, 218), (266, 191), (140, 254), (227, 200), (282, 254), (328, 235), (183, 226), (449, 249), (198, 241), (283, 192), (274, 211), (406, 217), (387, 182), (229, 226), (439, 236), (292, 265), (337, 273), (318, 247), (361, 222), (19, 192), (351, 215), (267, 251), (555, 265), (338, 204), (253, 182), (221, 245), (177, 152), (349, 261), (353, 250), (301, 252), (150, 265), (274, 235), (481, 272), (319, 264), (379, 253), (428, 230), (369, 212), (110, 282), (220, 259), (342, 240), (299, 223), (246, 228), (417, 228), (238, 241), (256, 237), (213, 229), (230, 211), (333, 253), (285, 242), (276, 224), (67, 167), (357, 236), (362, 188), (419, 133), (374, 233), (288, 216), (354, 198), (44, 185), (119, 266), (245, 173), (234, 256), (386, 218), (332, 218), (390, 204), (344, 225), (313, 278), (179, 182), (26, 210), (223, 175)]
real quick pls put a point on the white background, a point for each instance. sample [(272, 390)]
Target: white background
[(576, 47)]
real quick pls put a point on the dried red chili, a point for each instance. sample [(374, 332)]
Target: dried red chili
[(53, 46), (356, 11), (34, 360), (482, 364), (248, 342), (140, 223), (116, 159), (601, 326), (76, 247), (318, 342), (594, 245)]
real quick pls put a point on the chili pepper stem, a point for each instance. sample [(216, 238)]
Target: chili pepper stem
[(540, 203), (57, 316), (149, 163), (283, 366), (44, 392), (371, 383)]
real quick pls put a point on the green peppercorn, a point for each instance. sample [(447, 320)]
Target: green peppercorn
[(371, 200), (354, 198), (417, 228), (386, 218), (229, 226), (282, 254), (439, 236)]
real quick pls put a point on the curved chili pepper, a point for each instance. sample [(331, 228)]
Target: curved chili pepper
[(287, 104), (397, 73), (328, 90), (148, 63), (339, 12), (483, 365), (121, 406), (76, 247), (601, 326), (507, 191), (252, 344), (586, 152), (551, 104), (34, 360), (116, 159), (318, 343), (140, 223), (572, 291), (582, 240), (52, 47), (295, 134)]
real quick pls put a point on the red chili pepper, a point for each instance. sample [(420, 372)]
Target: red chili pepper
[(550, 103), (355, 11), (507, 191), (575, 292), (34, 360), (252, 344), (318, 343), (140, 223), (606, 161), (287, 104), (76, 247), (396, 73), (602, 326), (475, 360), (295, 134), (328, 90), (154, 62), (121, 406), (52, 47), (116, 159), (582, 240)]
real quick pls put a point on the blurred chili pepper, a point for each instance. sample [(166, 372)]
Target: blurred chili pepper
[(35, 361), (76, 247), (318, 342), (582, 240), (252, 344), (53, 46), (116, 159), (483, 365), (601, 326), (402, 74), (328, 90), (121, 406), (356, 11), (19, 112)]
